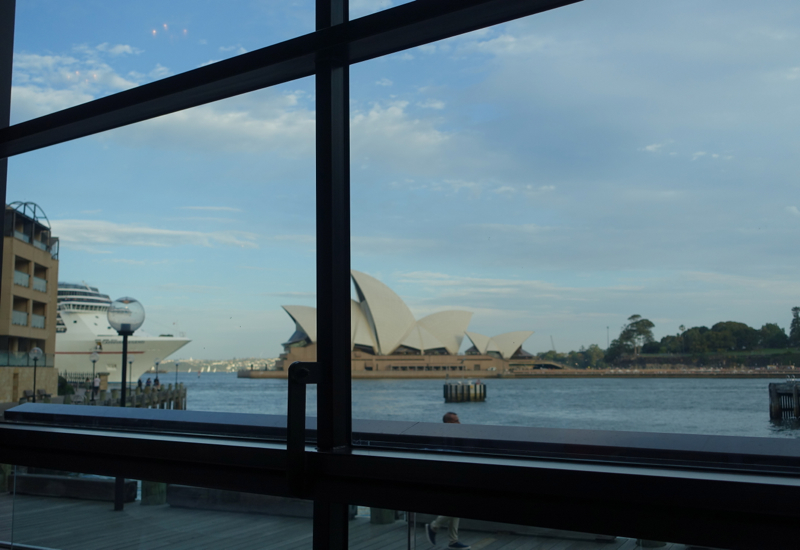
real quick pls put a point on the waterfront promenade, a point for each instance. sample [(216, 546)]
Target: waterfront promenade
[(70, 524)]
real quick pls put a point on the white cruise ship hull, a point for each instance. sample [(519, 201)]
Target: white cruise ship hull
[(87, 331)]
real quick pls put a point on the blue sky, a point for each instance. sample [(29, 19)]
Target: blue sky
[(555, 174)]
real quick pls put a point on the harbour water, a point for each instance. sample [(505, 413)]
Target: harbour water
[(689, 405)]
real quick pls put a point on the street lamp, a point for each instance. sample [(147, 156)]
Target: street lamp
[(176, 373), (94, 357), (157, 362), (35, 354), (125, 315)]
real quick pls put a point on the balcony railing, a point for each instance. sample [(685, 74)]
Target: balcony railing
[(38, 321), (22, 236), (40, 245), (21, 279), (19, 318), (39, 284), (23, 359)]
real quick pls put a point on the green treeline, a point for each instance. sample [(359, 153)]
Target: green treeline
[(636, 338)]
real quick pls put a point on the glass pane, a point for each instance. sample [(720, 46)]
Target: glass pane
[(67, 53), (563, 208), (207, 218), (84, 514)]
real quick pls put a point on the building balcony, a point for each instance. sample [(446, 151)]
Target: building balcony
[(21, 279), (38, 321), (22, 236), (19, 318), (40, 245), (39, 284)]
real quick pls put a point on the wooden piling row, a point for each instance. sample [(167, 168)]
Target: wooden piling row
[(458, 393), (166, 398), (784, 400)]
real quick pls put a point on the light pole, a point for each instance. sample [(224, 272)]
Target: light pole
[(35, 354), (94, 357), (176, 373), (157, 362), (125, 316), (130, 374)]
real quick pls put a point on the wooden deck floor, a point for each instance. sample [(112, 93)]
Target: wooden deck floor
[(85, 525)]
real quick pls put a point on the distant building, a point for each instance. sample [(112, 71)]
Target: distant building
[(28, 301), (387, 340)]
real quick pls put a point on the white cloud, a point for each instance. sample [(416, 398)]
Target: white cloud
[(793, 210), (238, 49), (159, 72), (384, 82), (698, 154), (118, 49), (96, 232), (504, 190), (431, 104), (212, 208)]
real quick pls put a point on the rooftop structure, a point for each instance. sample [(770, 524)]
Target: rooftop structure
[(382, 324)]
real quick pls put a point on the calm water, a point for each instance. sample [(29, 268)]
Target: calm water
[(701, 406)]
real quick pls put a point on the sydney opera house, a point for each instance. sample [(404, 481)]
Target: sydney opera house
[(386, 340)]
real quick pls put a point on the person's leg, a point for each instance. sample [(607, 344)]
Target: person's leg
[(453, 531)]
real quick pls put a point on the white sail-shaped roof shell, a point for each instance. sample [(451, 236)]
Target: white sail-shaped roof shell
[(480, 341), (360, 330), (505, 344), (448, 327), (508, 343), (391, 320), (420, 338), (305, 318)]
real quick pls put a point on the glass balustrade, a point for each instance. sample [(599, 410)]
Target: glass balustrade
[(19, 318), (37, 321), (21, 279), (22, 236), (39, 284)]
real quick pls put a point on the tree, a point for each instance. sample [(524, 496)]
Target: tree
[(794, 328), (773, 336), (637, 332)]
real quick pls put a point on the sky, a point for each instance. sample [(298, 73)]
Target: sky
[(556, 174)]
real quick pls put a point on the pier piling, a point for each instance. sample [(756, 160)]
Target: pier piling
[(457, 393)]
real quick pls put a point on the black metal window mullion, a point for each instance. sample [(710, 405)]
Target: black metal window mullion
[(334, 425), (7, 10)]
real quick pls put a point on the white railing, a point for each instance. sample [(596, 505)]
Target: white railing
[(19, 318), (21, 279), (39, 284), (38, 321)]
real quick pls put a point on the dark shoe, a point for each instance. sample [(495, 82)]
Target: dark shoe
[(430, 533), (458, 546)]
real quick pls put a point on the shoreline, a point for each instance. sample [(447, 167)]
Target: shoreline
[(644, 373)]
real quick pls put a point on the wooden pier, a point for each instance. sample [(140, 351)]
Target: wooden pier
[(784, 400), (458, 393), (148, 397)]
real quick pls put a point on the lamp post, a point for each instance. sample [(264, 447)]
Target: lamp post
[(157, 362), (176, 373), (130, 373), (125, 316), (35, 354), (93, 357)]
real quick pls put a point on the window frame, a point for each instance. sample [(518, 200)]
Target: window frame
[(721, 506)]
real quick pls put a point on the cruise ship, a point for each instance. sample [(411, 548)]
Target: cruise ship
[(82, 328)]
